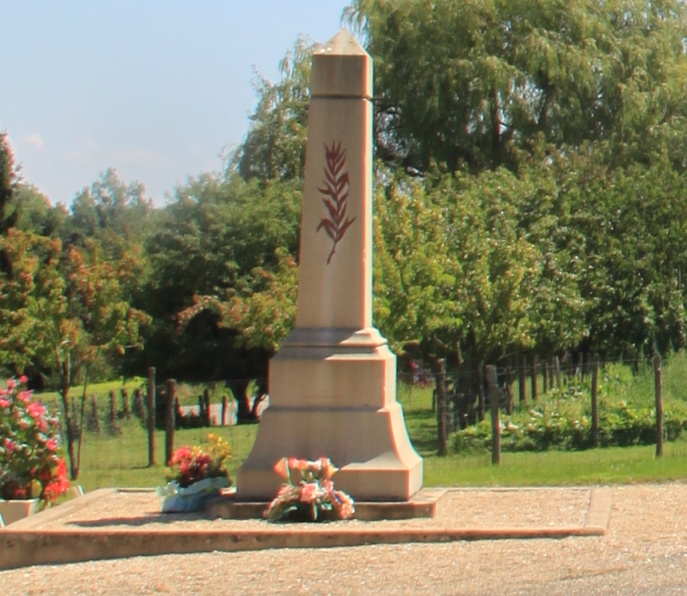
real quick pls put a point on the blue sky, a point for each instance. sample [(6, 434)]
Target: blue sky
[(157, 89)]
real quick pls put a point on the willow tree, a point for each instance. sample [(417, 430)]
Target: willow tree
[(484, 83)]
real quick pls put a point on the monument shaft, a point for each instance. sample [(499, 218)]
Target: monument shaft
[(333, 383)]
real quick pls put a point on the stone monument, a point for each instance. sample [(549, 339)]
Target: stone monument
[(333, 382)]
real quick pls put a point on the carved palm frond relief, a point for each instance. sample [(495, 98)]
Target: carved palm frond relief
[(335, 196)]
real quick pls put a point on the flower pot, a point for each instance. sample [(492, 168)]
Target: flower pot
[(16, 509), (190, 498)]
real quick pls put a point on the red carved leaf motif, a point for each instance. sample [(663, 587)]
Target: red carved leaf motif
[(335, 193)]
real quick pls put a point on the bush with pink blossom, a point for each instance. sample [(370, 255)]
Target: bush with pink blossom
[(30, 467)]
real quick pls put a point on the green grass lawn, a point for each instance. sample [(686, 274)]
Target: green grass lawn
[(122, 460), (593, 466)]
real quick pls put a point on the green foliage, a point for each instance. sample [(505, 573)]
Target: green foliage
[(484, 265), (536, 429), (222, 285), (416, 302), (37, 215), (9, 179), (487, 83), (110, 210), (562, 419), (274, 147), (61, 310)]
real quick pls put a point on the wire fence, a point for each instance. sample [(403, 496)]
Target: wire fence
[(116, 444)]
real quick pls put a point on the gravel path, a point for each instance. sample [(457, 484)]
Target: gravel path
[(643, 552)]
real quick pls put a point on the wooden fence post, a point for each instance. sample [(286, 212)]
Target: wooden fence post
[(137, 406), (595, 401), (112, 426), (170, 396), (567, 364), (509, 388), (441, 407), (94, 418), (522, 390), (113, 407), (493, 390), (206, 406), (579, 373), (658, 385), (225, 407), (545, 378), (126, 410), (557, 372), (201, 409), (480, 392), (150, 398)]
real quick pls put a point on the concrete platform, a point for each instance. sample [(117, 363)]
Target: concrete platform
[(117, 523), (425, 504)]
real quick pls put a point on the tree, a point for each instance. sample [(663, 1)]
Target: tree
[(112, 211), (9, 178), (482, 83), (60, 311), (260, 317), (274, 147), (223, 238), (633, 222), (37, 215), (417, 295)]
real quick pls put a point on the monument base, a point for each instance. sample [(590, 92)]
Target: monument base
[(335, 399), (373, 464)]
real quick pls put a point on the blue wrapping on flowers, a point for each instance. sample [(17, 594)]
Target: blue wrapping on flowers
[(179, 499)]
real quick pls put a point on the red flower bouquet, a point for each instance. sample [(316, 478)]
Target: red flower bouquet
[(195, 475)]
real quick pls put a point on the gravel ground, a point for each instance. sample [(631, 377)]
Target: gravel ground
[(643, 552)]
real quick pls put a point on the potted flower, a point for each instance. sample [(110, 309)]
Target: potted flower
[(195, 475), (308, 493), (32, 475)]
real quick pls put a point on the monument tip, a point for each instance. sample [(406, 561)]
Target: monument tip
[(342, 44)]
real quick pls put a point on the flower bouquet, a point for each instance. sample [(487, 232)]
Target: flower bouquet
[(308, 493), (195, 475), (29, 465)]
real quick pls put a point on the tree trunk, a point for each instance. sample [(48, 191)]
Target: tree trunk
[(259, 398), (68, 422), (238, 389)]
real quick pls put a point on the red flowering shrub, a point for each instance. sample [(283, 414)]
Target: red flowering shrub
[(29, 465)]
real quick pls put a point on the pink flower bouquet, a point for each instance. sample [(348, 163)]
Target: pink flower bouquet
[(29, 465), (308, 492)]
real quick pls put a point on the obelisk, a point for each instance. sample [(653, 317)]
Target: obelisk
[(333, 383)]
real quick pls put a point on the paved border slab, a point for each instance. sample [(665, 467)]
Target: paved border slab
[(27, 543), (426, 503)]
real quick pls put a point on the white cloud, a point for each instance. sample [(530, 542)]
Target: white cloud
[(35, 140)]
